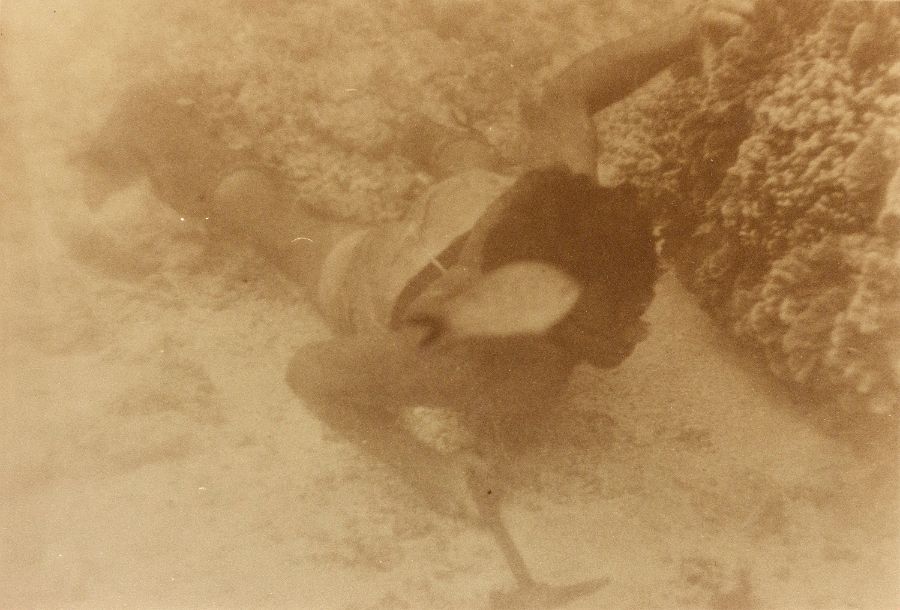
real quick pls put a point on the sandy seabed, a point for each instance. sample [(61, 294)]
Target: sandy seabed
[(153, 457)]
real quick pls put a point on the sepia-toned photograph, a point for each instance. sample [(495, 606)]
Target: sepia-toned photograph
[(450, 304)]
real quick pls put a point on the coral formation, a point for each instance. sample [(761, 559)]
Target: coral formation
[(324, 92), (769, 172)]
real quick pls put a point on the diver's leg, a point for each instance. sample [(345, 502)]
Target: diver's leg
[(359, 386), (254, 206), (445, 151)]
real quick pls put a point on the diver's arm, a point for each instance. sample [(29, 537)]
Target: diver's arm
[(612, 71), (562, 128)]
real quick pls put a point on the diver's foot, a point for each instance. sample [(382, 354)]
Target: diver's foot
[(242, 199), (446, 483)]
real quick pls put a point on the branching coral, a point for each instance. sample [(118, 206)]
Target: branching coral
[(322, 92), (771, 185)]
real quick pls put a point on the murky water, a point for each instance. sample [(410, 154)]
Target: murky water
[(154, 456)]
